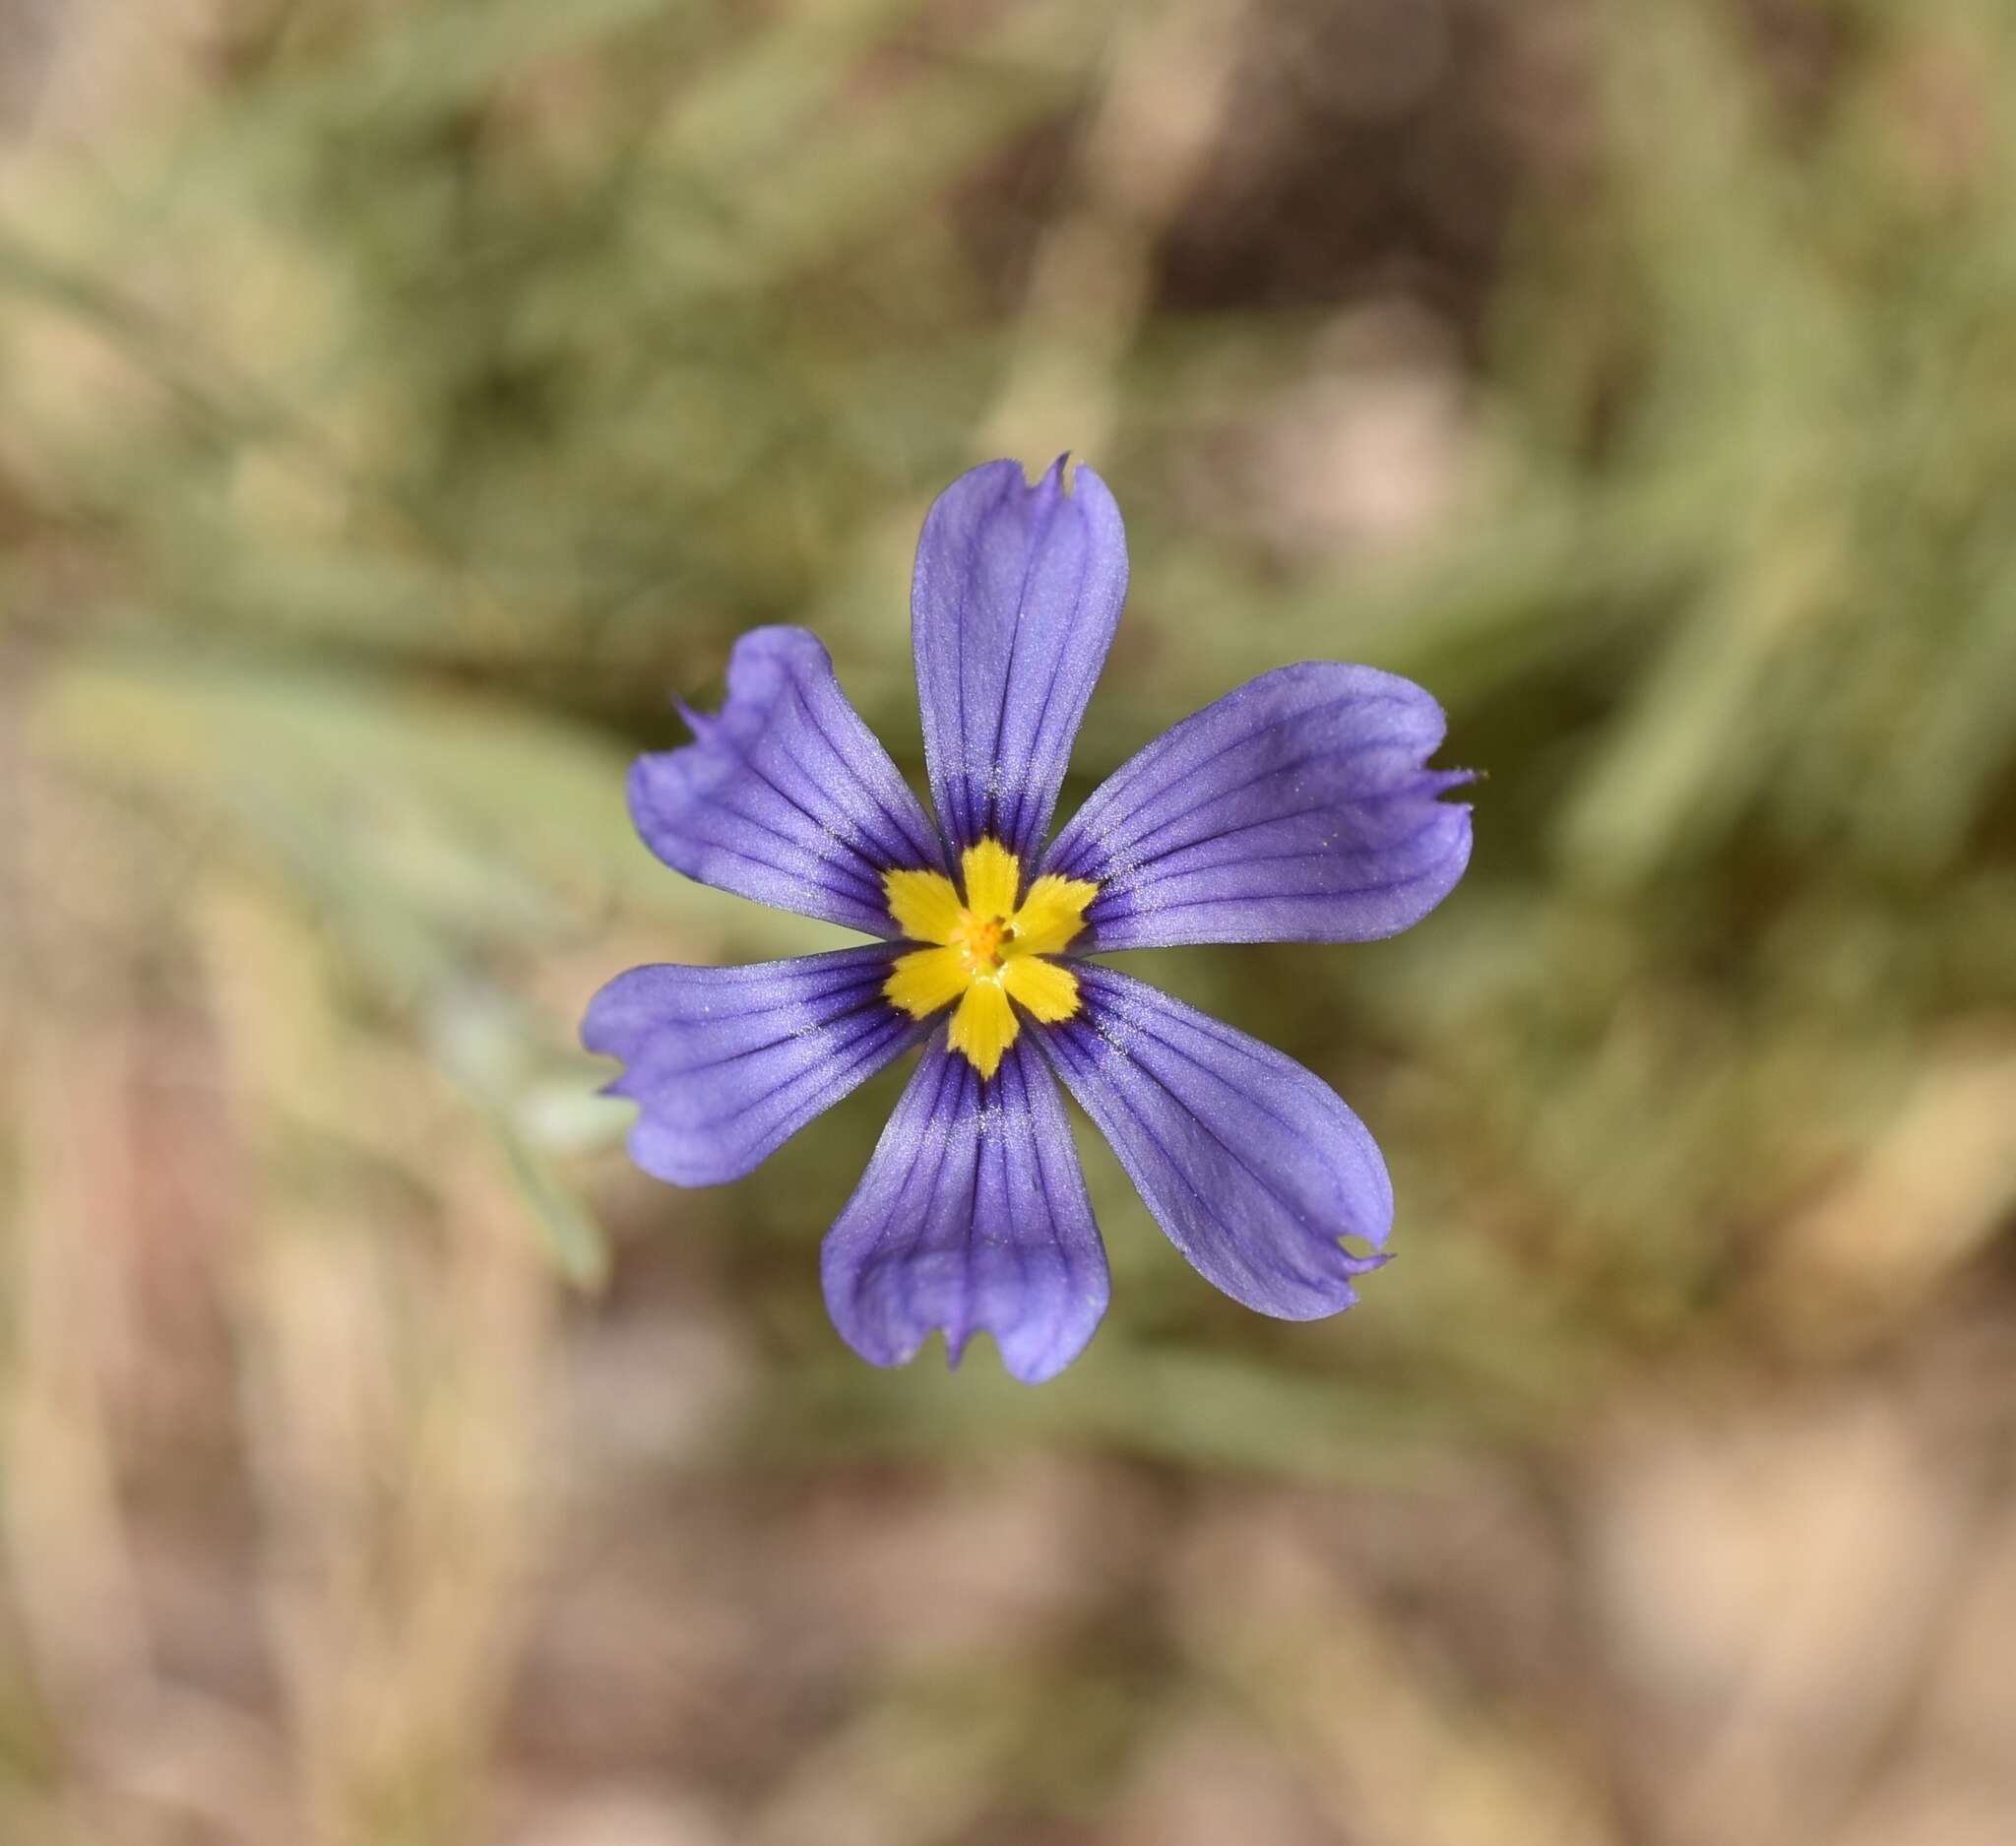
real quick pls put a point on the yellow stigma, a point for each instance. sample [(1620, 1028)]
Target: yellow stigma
[(986, 948)]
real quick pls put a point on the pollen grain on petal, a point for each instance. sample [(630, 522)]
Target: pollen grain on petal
[(1053, 914), (985, 1026), (926, 980), (923, 903), (1047, 991)]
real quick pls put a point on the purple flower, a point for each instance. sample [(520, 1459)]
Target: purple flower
[(1296, 809)]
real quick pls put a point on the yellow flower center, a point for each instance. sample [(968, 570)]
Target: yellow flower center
[(979, 940), (987, 948)]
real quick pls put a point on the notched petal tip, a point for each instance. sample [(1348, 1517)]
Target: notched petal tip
[(935, 1310), (1059, 476), (1360, 1263), (935, 1307), (700, 724)]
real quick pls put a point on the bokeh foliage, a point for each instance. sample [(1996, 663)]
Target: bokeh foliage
[(439, 394), (395, 417)]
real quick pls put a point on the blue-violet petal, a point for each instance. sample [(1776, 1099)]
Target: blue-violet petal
[(786, 795), (1017, 593), (1252, 1165), (728, 1063), (973, 1215), (1294, 809)]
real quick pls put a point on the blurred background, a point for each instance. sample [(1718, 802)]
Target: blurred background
[(401, 401)]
